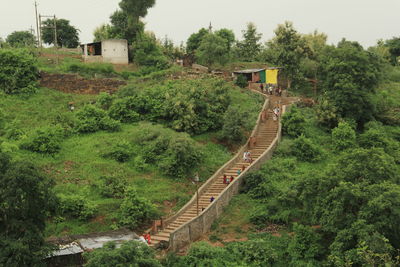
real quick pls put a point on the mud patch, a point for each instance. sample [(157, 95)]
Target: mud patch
[(72, 83)]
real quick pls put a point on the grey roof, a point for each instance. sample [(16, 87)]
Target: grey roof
[(248, 71), (70, 249), (98, 242)]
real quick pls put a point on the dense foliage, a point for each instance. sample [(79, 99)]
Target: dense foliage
[(130, 253), (350, 75), (18, 71), (92, 119), (287, 49), (135, 210), (21, 39), (45, 140), (148, 53), (350, 197), (26, 200), (193, 106), (213, 49)]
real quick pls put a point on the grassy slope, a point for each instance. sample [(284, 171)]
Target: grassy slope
[(79, 163)]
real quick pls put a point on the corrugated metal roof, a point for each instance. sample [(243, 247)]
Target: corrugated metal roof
[(248, 71)]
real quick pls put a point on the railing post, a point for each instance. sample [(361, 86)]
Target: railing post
[(154, 227), (253, 141), (264, 115)]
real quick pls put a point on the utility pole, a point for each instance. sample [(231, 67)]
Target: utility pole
[(40, 29), (55, 31), (54, 27), (37, 26), (196, 181)]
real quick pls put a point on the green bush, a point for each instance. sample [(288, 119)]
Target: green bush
[(293, 123), (124, 110), (131, 253), (181, 157), (110, 125), (104, 100), (241, 81), (139, 163), (204, 254), (13, 131), (47, 140), (121, 151), (343, 136), (76, 206), (147, 52), (92, 119), (18, 71), (327, 113), (234, 126), (305, 149), (135, 210), (153, 151), (111, 186)]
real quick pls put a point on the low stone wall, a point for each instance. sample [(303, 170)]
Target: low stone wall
[(194, 229)]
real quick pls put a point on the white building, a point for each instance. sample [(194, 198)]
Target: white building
[(113, 51)]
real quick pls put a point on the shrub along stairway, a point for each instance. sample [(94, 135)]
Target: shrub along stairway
[(197, 215)]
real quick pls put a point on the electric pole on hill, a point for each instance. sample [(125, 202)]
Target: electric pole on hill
[(37, 26), (54, 27)]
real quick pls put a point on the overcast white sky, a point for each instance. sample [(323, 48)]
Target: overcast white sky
[(364, 21)]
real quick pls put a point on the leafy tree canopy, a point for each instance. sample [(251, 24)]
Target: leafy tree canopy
[(213, 50), (21, 39), (288, 48), (228, 35), (394, 49), (25, 201), (349, 75), (67, 35), (125, 23), (194, 41), (250, 47)]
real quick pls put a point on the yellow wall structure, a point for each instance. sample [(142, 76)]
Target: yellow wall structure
[(272, 76)]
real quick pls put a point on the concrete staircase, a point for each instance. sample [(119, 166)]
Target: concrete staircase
[(266, 134)]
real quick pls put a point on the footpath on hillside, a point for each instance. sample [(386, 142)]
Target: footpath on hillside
[(267, 132)]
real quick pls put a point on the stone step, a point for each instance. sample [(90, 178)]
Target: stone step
[(159, 238)]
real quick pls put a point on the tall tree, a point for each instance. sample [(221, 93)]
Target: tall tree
[(315, 43), (21, 38), (126, 23), (349, 75), (194, 41), (228, 35), (289, 49), (103, 32), (394, 49), (25, 201), (213, 49), (249, 48), (67, 35)]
